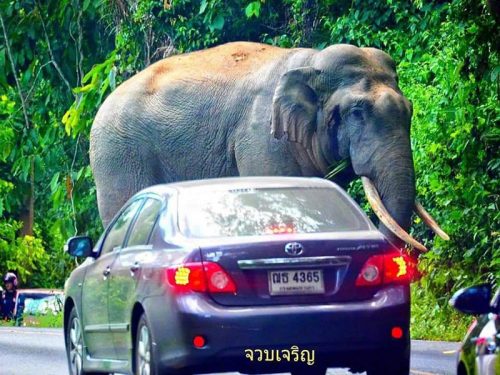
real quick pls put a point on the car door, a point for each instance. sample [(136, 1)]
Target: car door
[(126, 273), (97, 334), (488, 341)]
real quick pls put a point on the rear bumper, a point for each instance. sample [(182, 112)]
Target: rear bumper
[(343, 334)]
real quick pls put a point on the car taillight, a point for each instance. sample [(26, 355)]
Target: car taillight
[(200, 277), (387, 269)]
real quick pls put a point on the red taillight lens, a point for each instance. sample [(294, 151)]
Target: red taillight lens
[(200, 277), (218, 279), (388, 268)]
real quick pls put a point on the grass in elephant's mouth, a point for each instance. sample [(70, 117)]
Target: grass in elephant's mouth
[(335, 169)]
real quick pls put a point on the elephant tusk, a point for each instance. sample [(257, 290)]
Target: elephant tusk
[(385, 217), (429, 220)]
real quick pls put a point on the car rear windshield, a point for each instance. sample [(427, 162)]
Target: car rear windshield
[(254, 212)]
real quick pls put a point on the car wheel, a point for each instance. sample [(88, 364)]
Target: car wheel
[(461, 370), (74, 345), (143, 350)]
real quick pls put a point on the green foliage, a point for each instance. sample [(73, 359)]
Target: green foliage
[(32, 153), (25, 254), (44, 321), (433, 319), (97, 82), (253, 9), (38, 321)]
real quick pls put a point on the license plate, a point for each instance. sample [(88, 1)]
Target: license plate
[(296, 282)]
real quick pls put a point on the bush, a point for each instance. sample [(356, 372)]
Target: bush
[(24, 255)]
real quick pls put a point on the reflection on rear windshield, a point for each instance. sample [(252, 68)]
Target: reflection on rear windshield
[(254, 212)]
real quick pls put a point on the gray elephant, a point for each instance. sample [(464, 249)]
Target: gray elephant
[(243, 109)]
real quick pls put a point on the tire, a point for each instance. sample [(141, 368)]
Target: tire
[(144, 360), (462, 369), (74, 345)]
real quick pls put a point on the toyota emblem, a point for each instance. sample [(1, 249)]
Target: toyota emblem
[(294, 248)]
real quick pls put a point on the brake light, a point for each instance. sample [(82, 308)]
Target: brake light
[(387, 269), (200, 277)]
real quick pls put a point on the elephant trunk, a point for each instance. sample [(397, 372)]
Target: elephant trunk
[(392, 197), (390, 226), (390, 189)]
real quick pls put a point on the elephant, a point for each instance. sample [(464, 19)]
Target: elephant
[(247, 109)]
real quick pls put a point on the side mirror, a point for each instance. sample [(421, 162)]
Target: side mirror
[(80, 246), (474, 300)]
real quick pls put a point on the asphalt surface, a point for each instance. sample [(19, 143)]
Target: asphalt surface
[(30, 351)]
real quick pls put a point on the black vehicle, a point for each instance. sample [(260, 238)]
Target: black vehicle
[(262, 274), (480, 350)]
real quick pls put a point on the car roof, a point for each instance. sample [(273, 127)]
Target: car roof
[(230, 183), (39, 291)]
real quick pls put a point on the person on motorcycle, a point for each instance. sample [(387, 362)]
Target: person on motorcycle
[(11, 304)]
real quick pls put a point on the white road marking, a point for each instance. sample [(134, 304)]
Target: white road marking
[(32, 332)]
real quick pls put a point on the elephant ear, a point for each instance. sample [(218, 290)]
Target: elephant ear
[(295, 106)]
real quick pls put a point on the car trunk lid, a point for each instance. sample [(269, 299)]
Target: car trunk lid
[(285, 269)]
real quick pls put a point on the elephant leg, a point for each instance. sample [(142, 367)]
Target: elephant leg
[(119, 175)]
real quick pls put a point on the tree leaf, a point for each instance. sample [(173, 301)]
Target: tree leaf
[(253, 9), (217, 23), (203, 6), (54, 183), (112, 78)]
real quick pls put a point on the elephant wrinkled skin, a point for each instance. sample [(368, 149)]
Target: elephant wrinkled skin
[(254, 109)]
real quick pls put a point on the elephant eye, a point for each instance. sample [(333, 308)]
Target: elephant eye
[(356, 114)]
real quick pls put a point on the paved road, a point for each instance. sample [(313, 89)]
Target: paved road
[(29, 351)]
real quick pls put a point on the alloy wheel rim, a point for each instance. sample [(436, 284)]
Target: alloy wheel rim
[(76, 347), (144, 351)]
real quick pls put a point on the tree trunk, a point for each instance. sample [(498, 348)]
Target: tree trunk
[(309, 13), (28, 215)]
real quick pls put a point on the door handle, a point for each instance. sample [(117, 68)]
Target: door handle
[(106, 272), (135, 267)]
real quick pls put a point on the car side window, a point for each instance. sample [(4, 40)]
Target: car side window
[(117, 232), (145, 222)]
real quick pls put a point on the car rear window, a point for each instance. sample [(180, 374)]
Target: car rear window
[(254, 212)]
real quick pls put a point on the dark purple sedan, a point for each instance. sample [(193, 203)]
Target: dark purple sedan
[(257, 275)]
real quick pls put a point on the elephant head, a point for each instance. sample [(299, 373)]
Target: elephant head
[(346, 103)]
